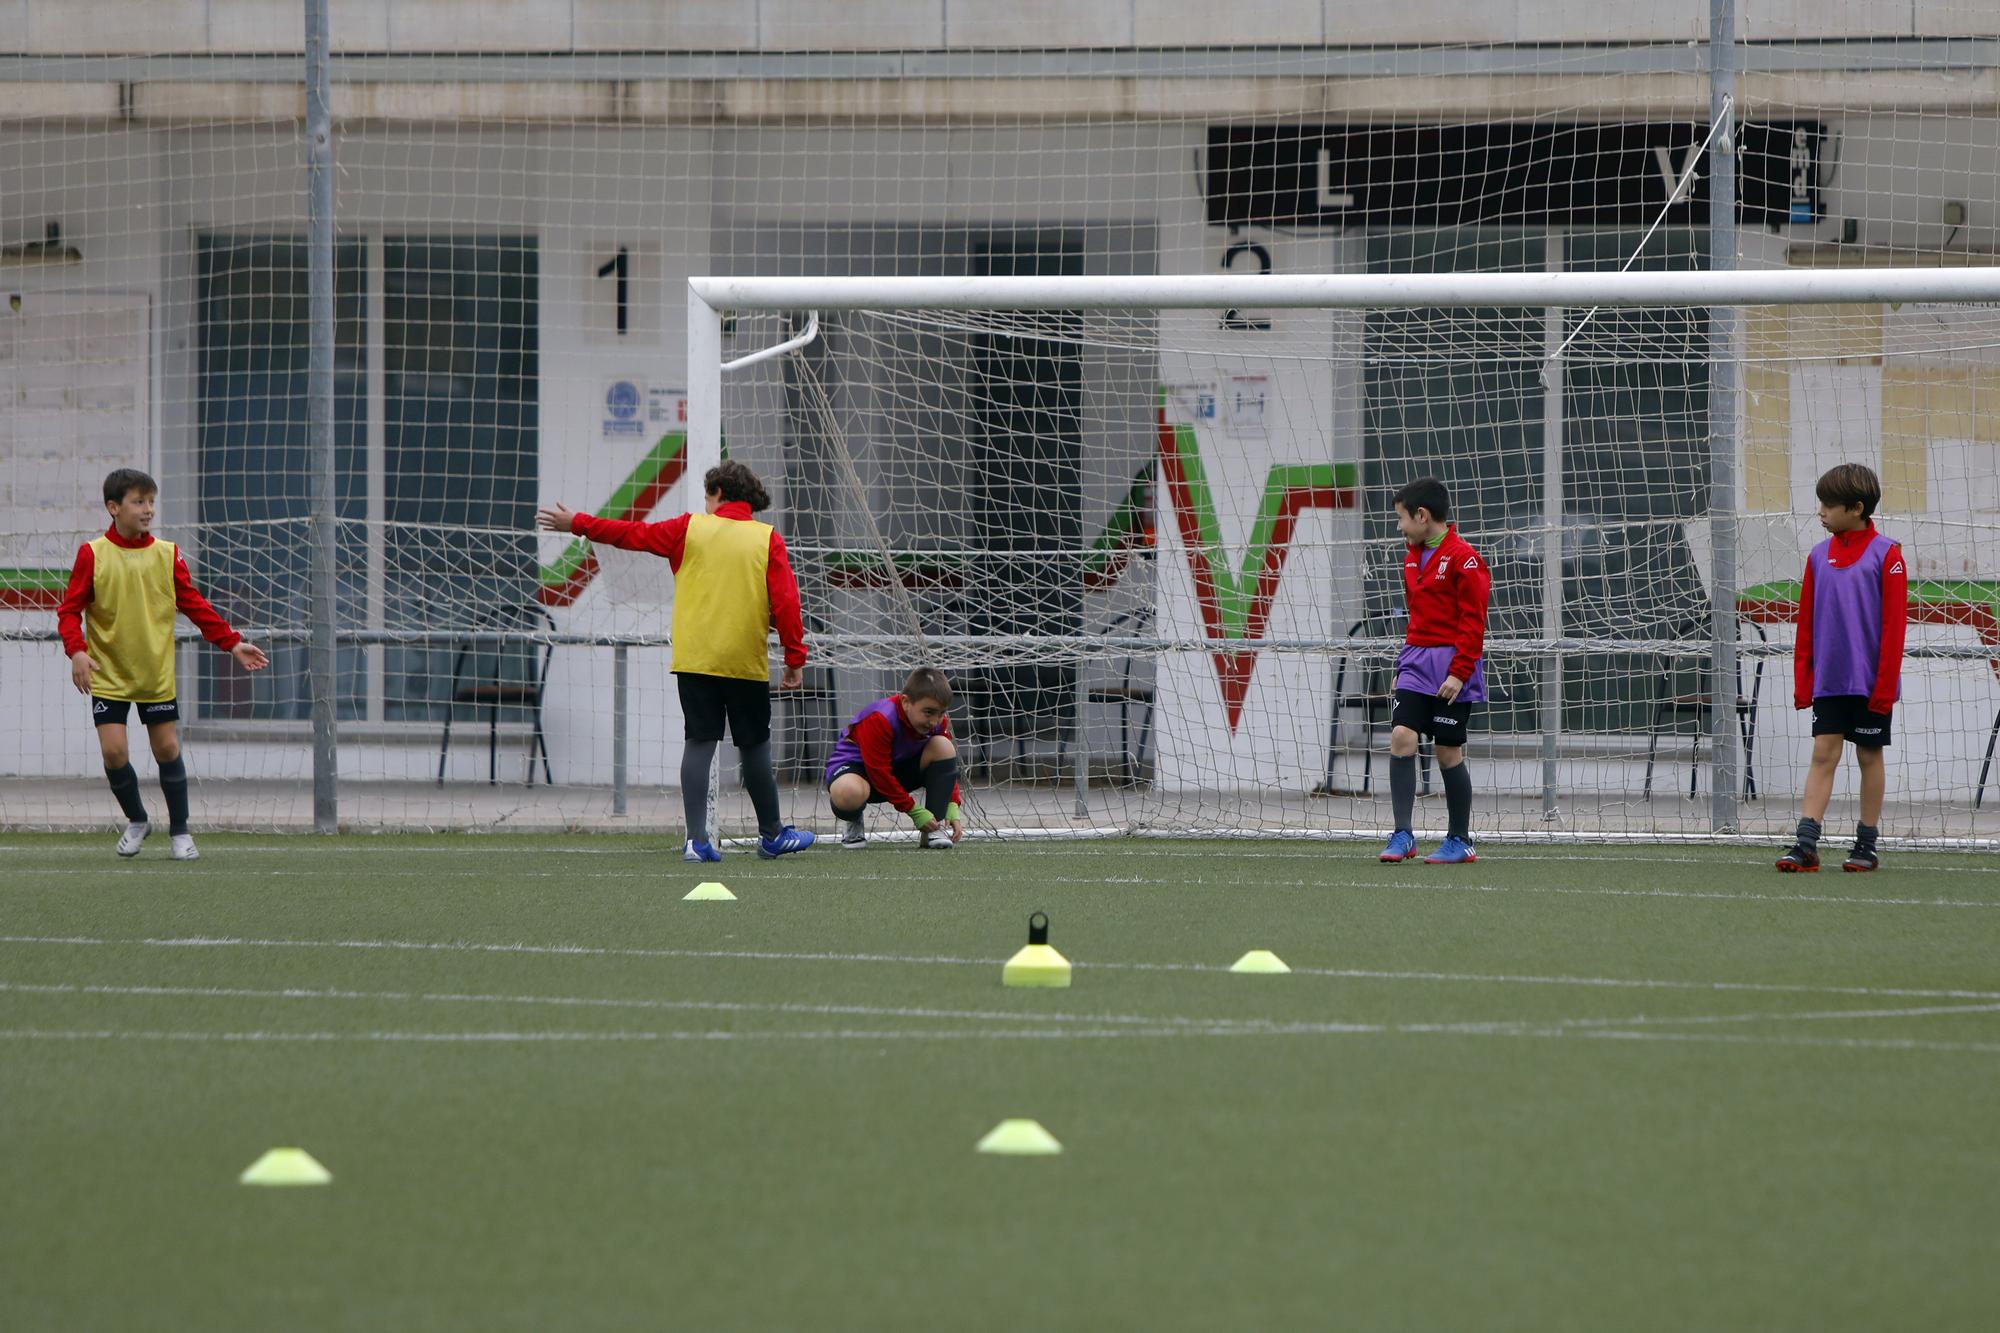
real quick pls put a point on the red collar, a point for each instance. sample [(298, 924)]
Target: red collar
[(145, 539), (738, 509), (1848, 545)]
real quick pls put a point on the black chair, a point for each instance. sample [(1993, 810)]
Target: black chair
[(1992, 734), (1669, 703), (491, 671), (1377, 695), (1129, 696)]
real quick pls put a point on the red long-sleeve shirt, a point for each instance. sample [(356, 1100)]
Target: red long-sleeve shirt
[(187, 600), (1843, 550), (875, 736), (1448, 602), (669, 539)]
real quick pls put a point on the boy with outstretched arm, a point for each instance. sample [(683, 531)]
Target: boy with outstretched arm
[(893, 747), (1439, 673), (732, 582), (1848, 663), (116, 620)]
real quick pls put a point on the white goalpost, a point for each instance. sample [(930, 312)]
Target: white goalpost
[(1261, 640)]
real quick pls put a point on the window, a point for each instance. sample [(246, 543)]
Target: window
[(440, 449)]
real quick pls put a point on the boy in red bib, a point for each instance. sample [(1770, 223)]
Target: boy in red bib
[(117, 625), (1439, 673)]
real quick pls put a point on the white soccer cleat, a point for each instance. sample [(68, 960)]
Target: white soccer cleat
[(936, 842), (184, 848), (129, 841), (853, 835)]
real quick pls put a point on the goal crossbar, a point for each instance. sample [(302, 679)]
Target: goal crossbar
[(1735, 287)]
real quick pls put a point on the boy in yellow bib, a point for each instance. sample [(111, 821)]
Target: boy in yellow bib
[(117, 626), (732, 585)]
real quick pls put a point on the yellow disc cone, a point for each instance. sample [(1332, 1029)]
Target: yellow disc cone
[(1020, 1138), (1260, 962), (286, 1166), (709, 891), (1036, 965)]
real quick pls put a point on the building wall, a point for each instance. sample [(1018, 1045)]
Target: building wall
[(133, 199), (423, 26)]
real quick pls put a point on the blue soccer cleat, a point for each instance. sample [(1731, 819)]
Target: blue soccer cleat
[(1402, 846), (1452, 852), (790, 840), (699, 851)]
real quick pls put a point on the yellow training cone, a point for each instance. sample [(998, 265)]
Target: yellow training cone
[(1036, 964), (1020, 1138), (710, 892), (286, 1166), (1260, 961)]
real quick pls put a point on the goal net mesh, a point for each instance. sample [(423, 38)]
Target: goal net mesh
[(1153, 549)]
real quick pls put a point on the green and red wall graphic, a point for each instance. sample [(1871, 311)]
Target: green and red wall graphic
[(1235, 604)]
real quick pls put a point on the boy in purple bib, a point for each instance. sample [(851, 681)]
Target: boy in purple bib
[(1848, 664), (893, 747)]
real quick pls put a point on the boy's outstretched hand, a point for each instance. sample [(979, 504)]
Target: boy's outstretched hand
[(250, 657), (554, 519)]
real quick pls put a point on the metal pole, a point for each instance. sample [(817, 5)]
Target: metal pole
[(1080, 774), (322, 662), (1552, 512), (1722, 425), (619, 683)]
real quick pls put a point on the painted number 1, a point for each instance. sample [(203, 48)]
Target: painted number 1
[(621, 266)]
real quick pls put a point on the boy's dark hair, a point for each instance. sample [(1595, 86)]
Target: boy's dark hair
[(928, 683), (126, 480), (1425, 493), (736, 482), (1851, 484)]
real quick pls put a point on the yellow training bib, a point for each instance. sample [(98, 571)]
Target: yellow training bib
[(722, 608), (129, 623)]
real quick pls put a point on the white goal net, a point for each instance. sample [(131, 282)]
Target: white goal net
[(1151, 542)]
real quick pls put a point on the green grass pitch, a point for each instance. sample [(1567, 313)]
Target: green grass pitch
[(1598, 1088)]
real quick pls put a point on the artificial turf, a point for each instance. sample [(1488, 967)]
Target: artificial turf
[(1564, 1088)]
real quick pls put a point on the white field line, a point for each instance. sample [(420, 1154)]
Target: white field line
[(1228, 851), (946, 1034), (941, 960), (1419, 881), (975, 1015), (598, 1002), (1763, 1016)]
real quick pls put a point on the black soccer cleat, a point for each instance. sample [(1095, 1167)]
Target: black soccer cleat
[(1799, 859), (1861, 860)]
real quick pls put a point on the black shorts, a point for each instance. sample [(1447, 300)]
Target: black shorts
[(112, 712), (1847, 715), (910, 774), (707, 701), (1428, 715)]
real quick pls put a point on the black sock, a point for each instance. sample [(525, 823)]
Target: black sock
[(1458, 800), (1809, 834), (939, 778), (695, 761), (848, 816), (1403, 789), (761, 781), (1864, 837), (174, 783), (125, 786)]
